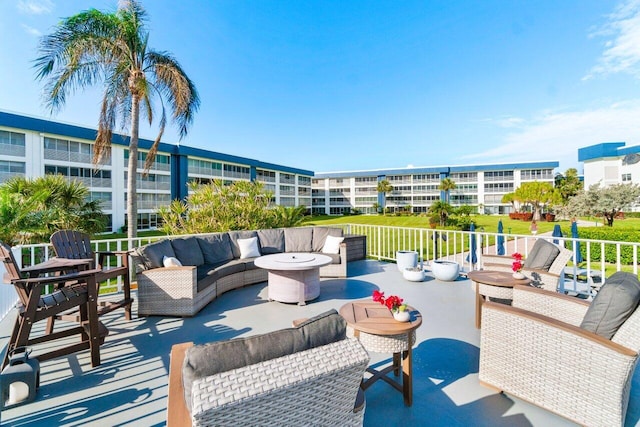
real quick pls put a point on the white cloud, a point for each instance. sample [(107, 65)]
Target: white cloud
[(622, 52), (35, 7), (559, 135), (31, 31)]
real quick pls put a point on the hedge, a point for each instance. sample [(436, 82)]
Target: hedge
[(606, 233)]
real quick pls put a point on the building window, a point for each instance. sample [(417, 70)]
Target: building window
[(12, 143), (10, 169), (626, 177)]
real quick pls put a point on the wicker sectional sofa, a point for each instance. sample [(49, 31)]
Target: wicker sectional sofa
[(212, 265)]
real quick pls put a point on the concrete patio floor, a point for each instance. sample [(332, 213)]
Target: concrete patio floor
[(130, 386)]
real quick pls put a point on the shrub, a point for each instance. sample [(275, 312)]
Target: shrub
[(610, 250)]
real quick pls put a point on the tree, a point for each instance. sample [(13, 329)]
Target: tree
[(385, 188), (442, 209), (537, 194), (95, 46), (510, 198), (606, 201), (288, 216), (33, 209), (447, 185), (568, 184), (217, 207)]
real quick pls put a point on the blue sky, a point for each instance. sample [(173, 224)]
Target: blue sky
[(351, 85)]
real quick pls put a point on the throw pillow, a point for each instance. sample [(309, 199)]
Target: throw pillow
[(542, 255), (171, 261), (249, 248), (615, 302), (332, 245), (209, 359), (153, 253)]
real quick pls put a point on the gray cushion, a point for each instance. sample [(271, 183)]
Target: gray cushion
[(335, 258), (235, 235), (542, 255), (153, 253), (615, 302), (215, 248), (209, 359), (320, 235), (271, 241), (298, 239), (210, 273), (187, 250)]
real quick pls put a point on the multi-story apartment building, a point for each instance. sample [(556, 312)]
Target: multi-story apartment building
[(33, 147), (610, 163), (416, 189)]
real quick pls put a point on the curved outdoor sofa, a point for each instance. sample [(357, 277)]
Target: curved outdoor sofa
[(212, 264)]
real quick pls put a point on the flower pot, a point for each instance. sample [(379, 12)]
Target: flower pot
[(402, 316), (406, 259), (415, 274), (518, 275), (447, 271)]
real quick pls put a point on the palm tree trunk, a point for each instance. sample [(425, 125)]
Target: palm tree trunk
[(132, 198)]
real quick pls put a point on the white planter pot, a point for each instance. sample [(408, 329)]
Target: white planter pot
[(406, 259), (413, 276), (447, 271), (402, 316)]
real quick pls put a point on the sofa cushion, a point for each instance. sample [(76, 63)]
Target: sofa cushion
[(215, 248), (207, 274), (615, 302), (271, 241), (249, 247), (298, 239), (235, 235), (153, 253), (187, 250), (320, 234), (209, 359), (335, 258), (542, 255)]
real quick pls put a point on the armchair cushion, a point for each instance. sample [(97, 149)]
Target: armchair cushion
[(542, 255), (153, 253), (615, 302), (209, 359)]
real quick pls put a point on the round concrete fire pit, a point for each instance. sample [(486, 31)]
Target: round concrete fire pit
[(447, 271)]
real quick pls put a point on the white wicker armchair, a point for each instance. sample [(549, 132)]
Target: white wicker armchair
[(536, 351), (541, 278), (320, 386)]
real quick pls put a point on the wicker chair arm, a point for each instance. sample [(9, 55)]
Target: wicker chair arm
[(555, 365), (317, 386), (558, 306), (497, 260)]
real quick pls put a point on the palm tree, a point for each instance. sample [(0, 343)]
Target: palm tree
[(384, 187), (442, 210), (447, 185), (95, 46)]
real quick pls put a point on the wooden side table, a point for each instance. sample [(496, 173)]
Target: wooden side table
[(493, 284), (378, 331)]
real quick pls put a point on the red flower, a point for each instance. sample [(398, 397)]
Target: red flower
[(517, 264), (393, 302)]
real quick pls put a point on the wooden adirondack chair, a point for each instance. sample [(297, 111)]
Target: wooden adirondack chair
[(70, 291), (77, 245)]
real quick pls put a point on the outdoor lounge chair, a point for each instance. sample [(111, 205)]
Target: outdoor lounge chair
[(315, 380), (69, 291), (77, 245), (541, 350), (544, 274)]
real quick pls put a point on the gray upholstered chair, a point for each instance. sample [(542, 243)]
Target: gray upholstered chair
[(564, 354), (306, 375), (544, 264)]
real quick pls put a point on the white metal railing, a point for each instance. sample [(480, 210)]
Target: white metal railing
[(384, 241)]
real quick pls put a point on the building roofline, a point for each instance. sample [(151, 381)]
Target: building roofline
[(41, 125)]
